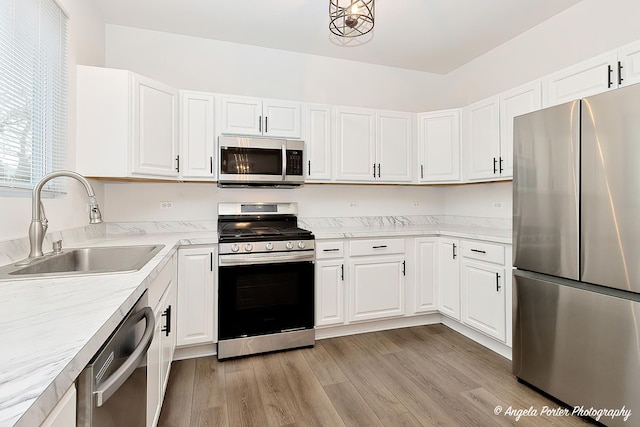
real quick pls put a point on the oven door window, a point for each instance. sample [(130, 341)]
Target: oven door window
[(265, 298), (251, 161)]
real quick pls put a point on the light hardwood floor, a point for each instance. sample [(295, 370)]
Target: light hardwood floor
[(419, 376)]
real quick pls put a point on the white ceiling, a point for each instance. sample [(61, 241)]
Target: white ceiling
[(427, 35)]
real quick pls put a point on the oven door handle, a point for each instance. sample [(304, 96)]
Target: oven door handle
[(113, 383), (224, 260)]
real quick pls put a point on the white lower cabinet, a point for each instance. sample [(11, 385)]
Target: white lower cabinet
[(484, 288), (160, 352), (449, 277), (426, 279), (196, 296), (483, 298), (377, 269), (64, 413), (329, 283)]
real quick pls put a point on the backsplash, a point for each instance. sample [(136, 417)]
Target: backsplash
[(15, 250)]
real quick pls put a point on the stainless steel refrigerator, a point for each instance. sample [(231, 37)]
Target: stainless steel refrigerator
[(576, 236)]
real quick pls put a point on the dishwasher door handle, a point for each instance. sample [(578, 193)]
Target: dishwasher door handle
[(113, 383)]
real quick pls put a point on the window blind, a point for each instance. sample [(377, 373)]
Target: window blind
[(33, 92)]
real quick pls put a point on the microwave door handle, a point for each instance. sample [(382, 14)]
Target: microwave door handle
[(113, 383), (284, 161)]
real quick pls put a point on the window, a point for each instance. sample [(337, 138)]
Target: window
[(33, 92)]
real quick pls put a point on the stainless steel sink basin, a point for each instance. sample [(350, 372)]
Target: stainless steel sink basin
[(84, 261)]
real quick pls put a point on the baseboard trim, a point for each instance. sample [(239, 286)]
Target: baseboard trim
[(194, 351), (490, 343), (376, 325)]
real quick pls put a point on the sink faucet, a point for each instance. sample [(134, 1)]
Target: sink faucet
[(39, 223)]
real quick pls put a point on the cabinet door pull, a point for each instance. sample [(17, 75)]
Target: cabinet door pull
[(378, 246), (260, 124), (501, 170), (497, 282), (309, 168), (211, 261), (620, 79), (495, 162), (404, 268), (167, 327), (378, 170), (178, 163), (266, 124), (479, 251), (453, 247), (374, 170), (609, 71), (331, 250), (211, 164), (421, 171), (342, 272)]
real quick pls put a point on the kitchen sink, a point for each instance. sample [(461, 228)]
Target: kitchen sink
[(83, 261)]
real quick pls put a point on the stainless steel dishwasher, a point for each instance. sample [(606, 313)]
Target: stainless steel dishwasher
[(112, 389)]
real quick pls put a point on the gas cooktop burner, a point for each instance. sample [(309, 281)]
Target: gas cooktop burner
[(261, 227)]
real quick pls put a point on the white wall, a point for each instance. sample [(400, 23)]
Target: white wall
[(492, 200), (589, 28), (197, 201), (86, 46), (215, 66)]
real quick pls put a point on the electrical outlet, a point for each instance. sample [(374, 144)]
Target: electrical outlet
[(415, 204), (353, 205), (497, 205), (166, 205)]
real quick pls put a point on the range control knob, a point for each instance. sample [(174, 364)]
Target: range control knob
[(301, 245), (235, 247), (269, 246), (289, 245), (248, 247)]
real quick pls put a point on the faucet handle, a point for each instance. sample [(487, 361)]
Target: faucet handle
[(57, 247)]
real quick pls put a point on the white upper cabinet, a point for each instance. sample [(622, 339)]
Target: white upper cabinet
[(611, 70), (317, 138), (197, 135), (373, 145), (355, 145), (127, 125), (394, 140), (629, 58), (252, 116), (439, 146), (513, 103), (482, 140), (588, 78)]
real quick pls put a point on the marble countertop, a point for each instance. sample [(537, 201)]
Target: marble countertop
[(51, 328), (497, 235)]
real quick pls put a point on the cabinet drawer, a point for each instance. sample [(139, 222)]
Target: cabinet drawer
[(484, 252), (376, 247), (329, 249)]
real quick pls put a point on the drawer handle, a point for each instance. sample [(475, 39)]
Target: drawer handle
[(478, 251), (379, 247), (331, 250)]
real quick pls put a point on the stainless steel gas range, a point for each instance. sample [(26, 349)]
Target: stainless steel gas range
[(265, 279)]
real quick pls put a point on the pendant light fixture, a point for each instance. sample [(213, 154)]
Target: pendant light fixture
[(351, 18)]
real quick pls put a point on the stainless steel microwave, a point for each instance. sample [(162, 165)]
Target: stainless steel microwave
[(263, 162)]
